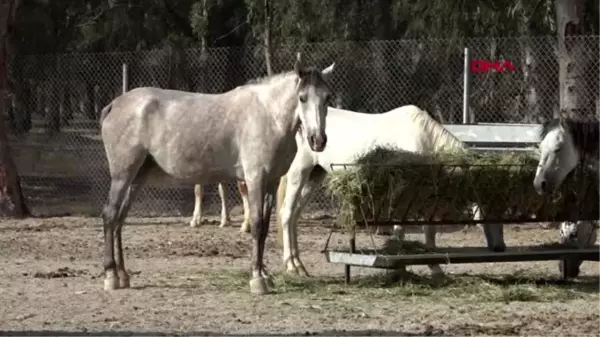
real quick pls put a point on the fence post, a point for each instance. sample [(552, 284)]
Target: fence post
[(466, 87), (125, 77)]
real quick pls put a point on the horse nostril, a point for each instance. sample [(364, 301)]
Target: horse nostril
[(543, 185), (313, 141), (324, 140)]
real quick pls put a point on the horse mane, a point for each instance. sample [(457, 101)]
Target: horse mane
[(440, 136), (306, 73), (584, 133)]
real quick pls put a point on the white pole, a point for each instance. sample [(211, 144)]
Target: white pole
[(125, 77), (466, 86)]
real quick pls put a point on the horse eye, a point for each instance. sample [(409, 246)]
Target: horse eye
[(302, 98)]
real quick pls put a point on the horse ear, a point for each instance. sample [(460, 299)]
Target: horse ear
[(299, 65), (562, 121), (327, 71)]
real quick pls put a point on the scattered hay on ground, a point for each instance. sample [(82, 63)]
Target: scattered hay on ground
[(467, 288)]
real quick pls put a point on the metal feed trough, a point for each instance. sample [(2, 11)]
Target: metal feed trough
[(486, 138)]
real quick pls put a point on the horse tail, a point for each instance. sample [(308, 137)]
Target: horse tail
[(280, 197), (105, 112)]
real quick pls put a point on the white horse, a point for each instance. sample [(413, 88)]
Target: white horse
[(350, 135), (225, 219), (565, 144)]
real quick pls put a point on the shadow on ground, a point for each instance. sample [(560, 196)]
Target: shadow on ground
[(334, 333)]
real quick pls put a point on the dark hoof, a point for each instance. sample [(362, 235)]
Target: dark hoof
[(498, 249), (569, 268)]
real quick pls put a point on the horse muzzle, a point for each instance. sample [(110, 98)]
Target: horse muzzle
[(542, 187), (317, 142)]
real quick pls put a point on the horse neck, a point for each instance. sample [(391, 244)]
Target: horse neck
[(440, 138), (445, 141), (278, 95)]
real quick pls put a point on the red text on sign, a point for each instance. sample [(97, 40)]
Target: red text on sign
[(480, 66)]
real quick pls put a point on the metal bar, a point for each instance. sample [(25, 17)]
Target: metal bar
[(352, 251), (510, 221), (396, 261), (125, 78), (478, 133), (466, 87)]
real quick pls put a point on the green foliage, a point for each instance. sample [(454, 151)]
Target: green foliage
[(94, 25)]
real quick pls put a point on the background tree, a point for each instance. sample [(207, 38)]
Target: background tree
[(12, 202)]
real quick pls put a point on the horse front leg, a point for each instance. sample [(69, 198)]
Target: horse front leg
[(494, 232), (430, 232), (225, 220), (259, 283), (296, 179), (197, 215), (315, 179)]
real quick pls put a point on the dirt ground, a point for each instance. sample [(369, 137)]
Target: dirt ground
[(195, 281)]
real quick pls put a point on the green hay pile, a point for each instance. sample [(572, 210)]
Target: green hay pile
[(390, 184)]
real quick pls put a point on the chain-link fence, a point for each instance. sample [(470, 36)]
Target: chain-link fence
[(57, 100)]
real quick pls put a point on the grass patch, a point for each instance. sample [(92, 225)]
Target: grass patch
[(464, 288)]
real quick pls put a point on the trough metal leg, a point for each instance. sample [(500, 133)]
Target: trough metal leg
[(352, 242)]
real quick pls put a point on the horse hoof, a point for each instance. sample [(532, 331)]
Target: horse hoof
[(124, 281), (270, 282), (223, 224), (569, 268), (111, 283), (245, 229), (258, 286), (499, 249), (304, 273), (195, 223), (292, 271), (437, 273)]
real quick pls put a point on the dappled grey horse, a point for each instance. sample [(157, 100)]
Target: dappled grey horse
[(248, 133)]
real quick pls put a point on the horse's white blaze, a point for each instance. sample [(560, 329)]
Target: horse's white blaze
[(558, 157)]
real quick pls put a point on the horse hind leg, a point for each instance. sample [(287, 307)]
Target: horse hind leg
[(132, 193), (225, 220), (245, 227), (123, 173), (197, 215)]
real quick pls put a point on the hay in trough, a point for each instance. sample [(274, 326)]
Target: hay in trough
[(391, 184)]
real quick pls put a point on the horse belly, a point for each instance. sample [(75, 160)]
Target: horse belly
[(198, 162)]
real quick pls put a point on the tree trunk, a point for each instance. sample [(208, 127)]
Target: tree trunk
[(573, 60), (383, 91), (267, 37), (12, 202), (530, 94)]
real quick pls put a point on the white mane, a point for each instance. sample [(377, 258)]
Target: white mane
[(440, 137)]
